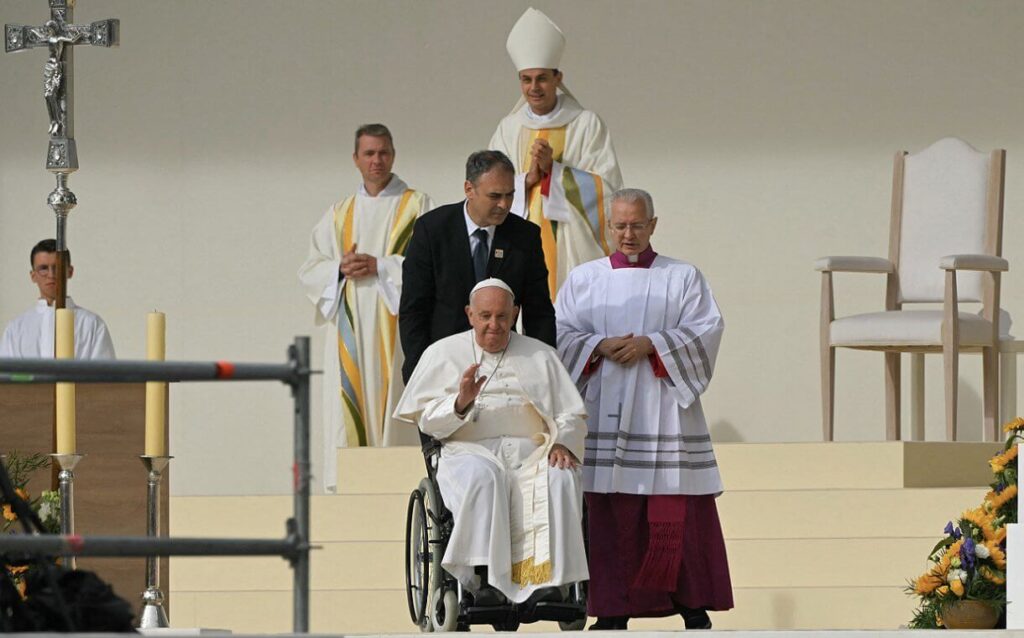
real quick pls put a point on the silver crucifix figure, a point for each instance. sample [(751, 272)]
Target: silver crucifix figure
[(59, 36)]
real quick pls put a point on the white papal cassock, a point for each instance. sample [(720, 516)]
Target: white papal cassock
[(362, 357), (572, 211), (646, 435), (30, 335), (513, 512)]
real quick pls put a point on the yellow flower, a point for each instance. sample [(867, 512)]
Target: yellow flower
[(9, 514), (998, 500), (957, 587), (942, 591), (22, 493), (998, 535), (991, 576), (1016, 424), (979, 517), (952, 551), (997, 555), (927, 583), (1001, 460)]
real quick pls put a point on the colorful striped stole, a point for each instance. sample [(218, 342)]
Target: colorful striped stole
[(352, 394), (585, 193), (535, 204)]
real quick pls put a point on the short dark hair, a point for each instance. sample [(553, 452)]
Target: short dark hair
[(45, 246), (373, 130), (482, 162)]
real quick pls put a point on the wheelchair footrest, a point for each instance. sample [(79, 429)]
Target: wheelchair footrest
[(566, 612), (483, 615)]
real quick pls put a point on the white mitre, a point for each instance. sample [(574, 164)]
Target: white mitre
[(535, 42)]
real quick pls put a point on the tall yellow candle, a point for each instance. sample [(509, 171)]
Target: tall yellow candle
[(64, 348), (156, 391)]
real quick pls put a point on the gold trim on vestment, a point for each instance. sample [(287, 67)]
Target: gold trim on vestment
[(525, 572)]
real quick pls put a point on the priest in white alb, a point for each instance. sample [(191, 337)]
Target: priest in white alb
[(565, 162), (639, 332), (30, 335), (512, 426), (353, 277)]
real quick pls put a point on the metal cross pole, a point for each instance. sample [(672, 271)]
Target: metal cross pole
[(59, 36)]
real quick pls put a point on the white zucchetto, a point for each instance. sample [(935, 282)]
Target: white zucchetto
[(492, 282)]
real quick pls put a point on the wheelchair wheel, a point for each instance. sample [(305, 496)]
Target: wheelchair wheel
[(446, 610), (417, 560), (577, 595)]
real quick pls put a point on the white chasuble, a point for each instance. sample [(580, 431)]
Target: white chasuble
[(572, 210), (513, 512), (30, 334), (362, 358), (646, 435)]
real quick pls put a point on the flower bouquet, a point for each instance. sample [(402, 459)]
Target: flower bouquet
[(969, 563), (46, 506)]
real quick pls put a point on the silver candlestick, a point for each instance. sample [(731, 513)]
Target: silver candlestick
[(153, 614), (66, 485)]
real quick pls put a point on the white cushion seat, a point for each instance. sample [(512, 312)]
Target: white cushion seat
[(906, 328)]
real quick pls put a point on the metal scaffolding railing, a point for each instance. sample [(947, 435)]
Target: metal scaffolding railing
[(295, 545)]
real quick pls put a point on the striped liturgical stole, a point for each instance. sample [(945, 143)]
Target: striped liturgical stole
[(352, 394)]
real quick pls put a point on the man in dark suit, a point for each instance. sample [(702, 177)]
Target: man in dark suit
[(455, 246)]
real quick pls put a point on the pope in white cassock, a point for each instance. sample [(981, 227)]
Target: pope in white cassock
[(353, 277), (30, 335), (512, 427), (565, 162), (639, 332)]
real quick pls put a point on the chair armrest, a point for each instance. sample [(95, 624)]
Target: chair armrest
[(989, 263), (854, 264)]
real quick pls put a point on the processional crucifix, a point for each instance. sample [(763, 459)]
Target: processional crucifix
[(59, 36)]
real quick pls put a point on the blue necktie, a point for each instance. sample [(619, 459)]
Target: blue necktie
[(480, 254)]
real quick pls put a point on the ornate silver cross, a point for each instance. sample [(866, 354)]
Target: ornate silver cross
[(59, 36)]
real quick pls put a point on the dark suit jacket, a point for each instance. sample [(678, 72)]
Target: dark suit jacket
[(437, 277)]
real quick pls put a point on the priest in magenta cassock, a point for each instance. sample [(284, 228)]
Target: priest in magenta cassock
[(639, 333), (512, 426), (565, 162), (353, 277)]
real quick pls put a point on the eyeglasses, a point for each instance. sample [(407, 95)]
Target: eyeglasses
[(637, 227), (46, 270)]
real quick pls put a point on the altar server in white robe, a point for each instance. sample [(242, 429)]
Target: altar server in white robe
[(639, 332), (565, 162), (512, 427), (30, 335), (353, 277)]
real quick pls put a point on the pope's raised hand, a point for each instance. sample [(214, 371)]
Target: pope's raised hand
[(469, 388)]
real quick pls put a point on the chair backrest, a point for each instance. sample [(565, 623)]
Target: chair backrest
[(947, 200)]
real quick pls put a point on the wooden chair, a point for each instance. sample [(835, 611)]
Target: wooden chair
[(947, 216)]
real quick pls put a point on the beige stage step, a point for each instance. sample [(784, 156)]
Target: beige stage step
[(384, 611), (745, 466), (816, 534)]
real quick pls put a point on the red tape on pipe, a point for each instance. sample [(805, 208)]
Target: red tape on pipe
[(225, 369), (75, 543)]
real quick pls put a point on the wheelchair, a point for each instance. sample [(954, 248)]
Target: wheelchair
[(436, 599)]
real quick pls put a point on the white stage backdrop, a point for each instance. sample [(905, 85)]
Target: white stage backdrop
[(216, 135)]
